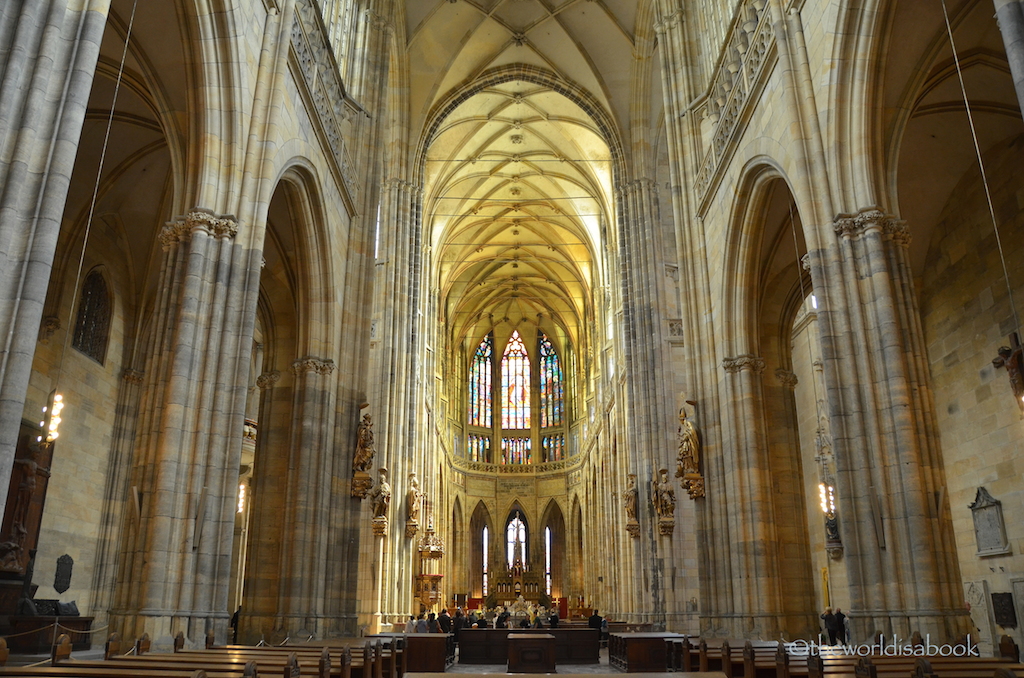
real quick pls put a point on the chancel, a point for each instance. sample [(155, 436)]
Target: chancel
[(699, 313)]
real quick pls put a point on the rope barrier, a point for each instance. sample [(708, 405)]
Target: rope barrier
[(32, 666), (102, 628)]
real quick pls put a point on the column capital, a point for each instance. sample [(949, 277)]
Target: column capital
[(311, 364), (787, 378), (743, 362), (871, 219), (267, 380)]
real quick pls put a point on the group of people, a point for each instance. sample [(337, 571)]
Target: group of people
[(835, 625), (445, 623), (432, 623)]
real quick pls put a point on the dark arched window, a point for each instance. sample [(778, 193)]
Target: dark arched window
[(92, 326)]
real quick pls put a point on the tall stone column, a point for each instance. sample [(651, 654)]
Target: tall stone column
[(755, 609), (48, 53), (176, 559), (1010, 14), (902, 565), (307, 506)]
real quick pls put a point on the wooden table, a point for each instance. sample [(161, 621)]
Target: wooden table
[(531, 653), (640, 652)]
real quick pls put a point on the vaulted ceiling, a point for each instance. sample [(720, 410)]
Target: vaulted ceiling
[(518, 186)]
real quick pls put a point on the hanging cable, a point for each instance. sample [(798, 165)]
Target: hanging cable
[(981, 166), (95, 196)]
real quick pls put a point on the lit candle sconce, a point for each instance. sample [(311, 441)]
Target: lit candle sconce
[(833, 542)]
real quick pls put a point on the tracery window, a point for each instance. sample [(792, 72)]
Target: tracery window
[(515, 384), (485, 560), (547, 560), (551, 389), (553, 447), (480, 379), (515, 451), (479, 448), (92, 326), (515, 540)]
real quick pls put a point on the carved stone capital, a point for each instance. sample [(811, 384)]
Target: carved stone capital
[(805, 262), (743, 362), (380, 526), (132, 376), (51, 324), (311, 364), (221, 227), (172, 233), (267, 380), (633, 528), (668, 22), (786, 378), (872, 219), (361, 484), (666, 527)]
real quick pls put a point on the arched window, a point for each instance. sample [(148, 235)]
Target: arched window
[(515, 540), (92, 326), (480, 378), (551, 385), (485, 560), (515, 384), (547, 560)]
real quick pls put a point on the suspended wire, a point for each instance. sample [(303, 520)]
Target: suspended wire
[(981, 166), (95, 195)]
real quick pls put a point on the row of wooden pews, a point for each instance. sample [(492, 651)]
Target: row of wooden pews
[(336, 659), (758, 659)]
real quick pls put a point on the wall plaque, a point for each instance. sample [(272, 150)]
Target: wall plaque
[(1002, 607), (62, 580), (989, 531)]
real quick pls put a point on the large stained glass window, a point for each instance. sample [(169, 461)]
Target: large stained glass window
[(515, 384), (553, 447), (480, 374), (486, 536), (515, 540), (515, 451), (551, 385), (479, 448)]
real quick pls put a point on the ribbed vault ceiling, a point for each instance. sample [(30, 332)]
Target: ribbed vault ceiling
[(518, 176)]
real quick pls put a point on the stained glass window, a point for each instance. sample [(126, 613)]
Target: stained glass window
[(92, 326), (515, 384), (515, 540), (479, 448), (551, 385), (547, 560), (485, 561), (480, 384), (553, 447), (515, 451)]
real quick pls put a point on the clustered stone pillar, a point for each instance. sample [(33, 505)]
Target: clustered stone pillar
[(753, 569), (308, 503), (1010, 14), (176, 556), (897, 536), (46, 73)]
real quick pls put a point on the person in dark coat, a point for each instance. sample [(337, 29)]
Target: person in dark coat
[(553, 619), (458, 623), (444, 620), (831, 625), (840, 626)]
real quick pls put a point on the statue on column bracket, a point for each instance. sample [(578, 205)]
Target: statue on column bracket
[(688, 459), (380, 501), (413, 504), (630, 501), (1012, 358), (664, 499), (363, 458)]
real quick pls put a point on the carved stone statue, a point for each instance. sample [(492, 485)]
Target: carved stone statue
[(414, 499), (688, 459), (1012, 358), (630, 501), (629, 497), (380, 500), (364, 445), (664, 499), (413, 506)]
